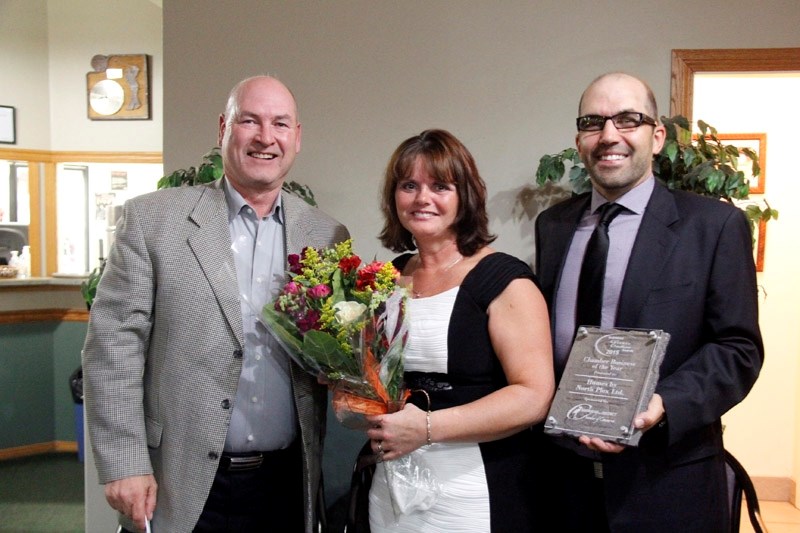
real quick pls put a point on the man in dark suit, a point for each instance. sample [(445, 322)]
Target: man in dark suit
[(198, 420), (677, 262)]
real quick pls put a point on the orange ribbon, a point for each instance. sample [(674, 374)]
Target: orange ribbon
[(344, 400)]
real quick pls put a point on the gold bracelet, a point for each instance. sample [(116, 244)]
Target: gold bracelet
[(427, 416), (428, 420)]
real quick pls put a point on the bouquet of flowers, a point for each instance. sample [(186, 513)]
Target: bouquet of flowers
[(345, 323)]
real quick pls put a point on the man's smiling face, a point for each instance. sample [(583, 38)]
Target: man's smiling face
[(617, 160), (259, 143)]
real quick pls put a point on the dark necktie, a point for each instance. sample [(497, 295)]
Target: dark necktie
[(593, 270)]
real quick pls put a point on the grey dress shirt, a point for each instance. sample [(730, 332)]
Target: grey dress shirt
[(263, 416)]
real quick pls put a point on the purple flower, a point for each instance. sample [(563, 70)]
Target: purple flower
[(294, 264), (291, 288), (309, 321)]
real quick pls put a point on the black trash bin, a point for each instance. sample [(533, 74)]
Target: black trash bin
[(76, 386)]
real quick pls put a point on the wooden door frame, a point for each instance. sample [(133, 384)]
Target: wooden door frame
[(685, 62)]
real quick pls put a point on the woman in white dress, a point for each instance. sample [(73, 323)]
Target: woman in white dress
[(478, 355)]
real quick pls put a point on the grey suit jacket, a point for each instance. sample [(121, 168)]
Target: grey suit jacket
[(163, 353)]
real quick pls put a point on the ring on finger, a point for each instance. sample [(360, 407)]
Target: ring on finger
[(380, 446)]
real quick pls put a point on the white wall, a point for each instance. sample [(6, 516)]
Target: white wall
[(24, 70)]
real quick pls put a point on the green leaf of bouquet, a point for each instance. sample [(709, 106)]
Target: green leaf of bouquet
[(392, 370), (338, 286), (325, 349), (285, 330)]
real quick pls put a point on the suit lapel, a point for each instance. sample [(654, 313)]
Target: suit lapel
[(296, 236), (211, 244), (561, 233), (651, 251)]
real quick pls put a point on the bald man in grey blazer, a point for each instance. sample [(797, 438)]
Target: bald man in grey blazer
[(198, 421)]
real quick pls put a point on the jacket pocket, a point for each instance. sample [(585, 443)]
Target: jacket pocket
[(673, 293), (153, 429)]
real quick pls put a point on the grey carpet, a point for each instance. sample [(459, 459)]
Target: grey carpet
[(42, 493)]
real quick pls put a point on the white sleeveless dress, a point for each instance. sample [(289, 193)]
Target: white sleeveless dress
[(463, 503)]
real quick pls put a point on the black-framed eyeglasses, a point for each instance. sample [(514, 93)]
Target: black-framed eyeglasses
[(627, 120)]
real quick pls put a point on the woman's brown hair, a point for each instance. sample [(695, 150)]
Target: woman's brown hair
[(447, 160)]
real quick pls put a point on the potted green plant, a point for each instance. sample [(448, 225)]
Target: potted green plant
[(703, 165), (89, 285)]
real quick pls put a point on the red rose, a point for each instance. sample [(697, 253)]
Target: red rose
[(349, 264), (366, 276)]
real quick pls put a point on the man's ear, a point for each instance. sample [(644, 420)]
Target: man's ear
[(659, 136), (221, 132)]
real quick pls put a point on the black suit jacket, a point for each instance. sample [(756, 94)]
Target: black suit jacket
[(691, 273)]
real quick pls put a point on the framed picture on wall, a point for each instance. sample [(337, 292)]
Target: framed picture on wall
[(757, 142), (8, 125)]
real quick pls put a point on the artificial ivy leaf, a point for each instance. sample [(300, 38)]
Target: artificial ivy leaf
[(689, 157), (671, 149), (572, 155), (681, 121)]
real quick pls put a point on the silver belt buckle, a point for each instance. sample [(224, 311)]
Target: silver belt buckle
[(245, 463), (598, 469)]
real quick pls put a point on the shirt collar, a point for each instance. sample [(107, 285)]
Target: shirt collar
[(236, 202), (634, 200)]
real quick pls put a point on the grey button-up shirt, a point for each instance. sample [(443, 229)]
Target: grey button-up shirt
[(263, 415)]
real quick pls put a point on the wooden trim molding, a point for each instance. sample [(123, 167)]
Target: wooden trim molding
[(48, 156), (35, 224), (685, 63), (106, 157), (38, 449), (774, 489), (17, 154), (44, 315), (49, 205)]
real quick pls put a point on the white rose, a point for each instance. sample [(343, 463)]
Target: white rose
[(348, 312)]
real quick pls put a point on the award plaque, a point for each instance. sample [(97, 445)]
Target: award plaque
[(609, 378)]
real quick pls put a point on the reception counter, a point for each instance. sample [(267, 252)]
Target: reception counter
[(18, 294)]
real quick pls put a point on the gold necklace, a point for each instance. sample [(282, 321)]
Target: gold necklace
[(418, 294)]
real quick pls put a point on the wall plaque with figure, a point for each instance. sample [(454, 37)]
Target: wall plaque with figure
[(119, 87), (609, 378)]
